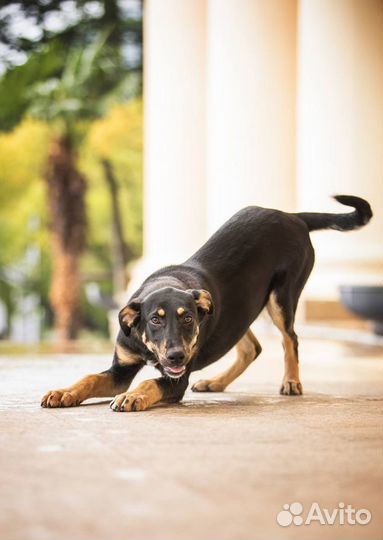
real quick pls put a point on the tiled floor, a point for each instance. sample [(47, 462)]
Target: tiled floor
[(215, 466)]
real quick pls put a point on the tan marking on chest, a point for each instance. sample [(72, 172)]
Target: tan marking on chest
[(126, 357)]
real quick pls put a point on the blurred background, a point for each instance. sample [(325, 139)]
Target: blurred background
[(273, 103), (71, 164)]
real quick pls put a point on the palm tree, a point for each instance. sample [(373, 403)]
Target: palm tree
[(66, 102), (69, 78), (66, 199)]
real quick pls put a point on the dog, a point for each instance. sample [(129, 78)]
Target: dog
[(187, 316)]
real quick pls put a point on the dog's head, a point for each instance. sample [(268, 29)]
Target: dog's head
[(168, 321)]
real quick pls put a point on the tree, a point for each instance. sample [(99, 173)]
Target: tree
[(115, 142), (121, 251), (73, 24), (62, 101), (80, 72), (66, 192)]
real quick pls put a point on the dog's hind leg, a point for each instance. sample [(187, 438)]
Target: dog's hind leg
[(248, 348), (282, 313)]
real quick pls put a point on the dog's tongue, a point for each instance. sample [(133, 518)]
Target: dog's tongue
[(175, 369)]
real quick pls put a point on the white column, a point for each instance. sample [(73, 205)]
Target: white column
[(250, 106), (174, 193), (340, 126)]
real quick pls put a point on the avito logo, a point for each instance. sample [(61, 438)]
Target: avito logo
[(292, 514)]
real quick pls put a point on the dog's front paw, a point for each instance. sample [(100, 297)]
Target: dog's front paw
[(208, 386), (130, 401), (291, 388), (60, 398)]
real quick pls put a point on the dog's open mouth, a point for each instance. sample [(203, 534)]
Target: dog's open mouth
[(174, 372)]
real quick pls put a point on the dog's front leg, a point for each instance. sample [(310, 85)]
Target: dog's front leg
[(105, 384), (151, 392)]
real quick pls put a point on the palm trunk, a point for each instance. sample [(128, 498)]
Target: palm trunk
[(66, 200)]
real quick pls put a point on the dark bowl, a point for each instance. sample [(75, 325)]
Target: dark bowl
[(365, 301)]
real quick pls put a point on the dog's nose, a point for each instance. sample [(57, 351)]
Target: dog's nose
[(176, 355)]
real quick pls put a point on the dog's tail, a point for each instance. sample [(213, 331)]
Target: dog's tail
[(340, 222)]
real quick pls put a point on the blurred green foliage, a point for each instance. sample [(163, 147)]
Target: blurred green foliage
[(76, 80), (117, 137), (23, 152), (22, 155)]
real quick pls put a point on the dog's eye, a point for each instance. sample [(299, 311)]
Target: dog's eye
[(188, 319), (155, 320)]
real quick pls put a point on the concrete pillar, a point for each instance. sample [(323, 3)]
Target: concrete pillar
[(175, 176), (340, 134), (340, 118), (250, 106)]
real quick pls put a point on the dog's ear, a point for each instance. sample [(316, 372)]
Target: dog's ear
[(203, 300), (129, 316)]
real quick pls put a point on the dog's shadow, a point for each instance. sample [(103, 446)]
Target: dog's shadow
[(236, 403), (208, 402)]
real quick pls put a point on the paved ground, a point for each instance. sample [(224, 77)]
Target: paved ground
[(216, 466)]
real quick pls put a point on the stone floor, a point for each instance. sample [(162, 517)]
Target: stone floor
[(215, 466)]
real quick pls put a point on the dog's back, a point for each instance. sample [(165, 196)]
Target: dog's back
[(257, 250)]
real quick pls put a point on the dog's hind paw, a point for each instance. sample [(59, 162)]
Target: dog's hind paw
[(208, 386), (291, 388), (59, 398)]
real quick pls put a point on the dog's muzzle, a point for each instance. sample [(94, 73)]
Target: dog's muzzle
[(175, 366)]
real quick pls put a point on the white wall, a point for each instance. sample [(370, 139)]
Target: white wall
[(340, 118), (263, 102), (175, 143), (251, 72)]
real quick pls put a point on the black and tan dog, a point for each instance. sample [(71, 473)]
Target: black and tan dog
[(185, 317)]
